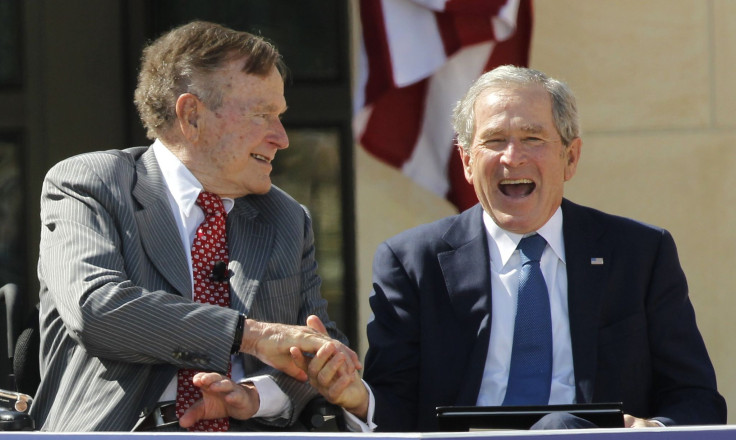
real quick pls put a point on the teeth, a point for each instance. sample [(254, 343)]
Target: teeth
[(259, 157), (515, 181)]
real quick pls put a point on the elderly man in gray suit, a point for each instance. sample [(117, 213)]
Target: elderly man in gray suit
[(118, 316)]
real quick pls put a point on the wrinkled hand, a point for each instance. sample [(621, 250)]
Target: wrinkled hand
[(221, 397), (635, 422), (272, 342), (329, 373)]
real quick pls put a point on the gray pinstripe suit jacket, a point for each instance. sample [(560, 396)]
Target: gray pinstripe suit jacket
[(116, 321)]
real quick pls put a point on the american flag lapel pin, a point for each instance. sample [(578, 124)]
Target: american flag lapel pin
[(596, 261)]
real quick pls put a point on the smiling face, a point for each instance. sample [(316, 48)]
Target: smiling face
[(516, 161), (234, 144)]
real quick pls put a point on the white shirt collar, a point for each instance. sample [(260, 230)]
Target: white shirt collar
[(506, 242), (182, 184)]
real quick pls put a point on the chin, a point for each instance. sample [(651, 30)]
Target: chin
[(515, 223), (263, 190)]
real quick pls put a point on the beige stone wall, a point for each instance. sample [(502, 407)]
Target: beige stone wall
[(656, 90)]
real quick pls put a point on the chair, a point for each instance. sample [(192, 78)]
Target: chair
[(18, 350), (11, 311), (25, 356), (322, 416)]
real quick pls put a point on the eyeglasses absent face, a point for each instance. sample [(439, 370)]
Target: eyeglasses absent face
[(517, 162)]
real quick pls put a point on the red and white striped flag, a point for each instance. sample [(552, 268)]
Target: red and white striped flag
[(419, 57)]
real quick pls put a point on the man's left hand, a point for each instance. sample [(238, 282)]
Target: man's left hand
[(635, 422), (329, 374), (221, 397)]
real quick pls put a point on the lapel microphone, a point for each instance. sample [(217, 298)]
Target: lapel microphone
[(220, 272)]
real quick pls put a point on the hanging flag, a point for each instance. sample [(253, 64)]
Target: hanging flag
[(418, 59)]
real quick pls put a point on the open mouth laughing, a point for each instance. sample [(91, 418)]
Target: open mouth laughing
[(517, 188)]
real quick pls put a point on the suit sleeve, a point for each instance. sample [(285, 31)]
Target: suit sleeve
[(684, 382), (393, 360), (87, 291)]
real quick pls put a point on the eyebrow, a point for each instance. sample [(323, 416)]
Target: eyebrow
[(259, 107), (532, 128), (528, 128)]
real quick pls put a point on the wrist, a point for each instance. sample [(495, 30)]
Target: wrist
[(247, 404), (251, 332), (361, 409), (253, 396)]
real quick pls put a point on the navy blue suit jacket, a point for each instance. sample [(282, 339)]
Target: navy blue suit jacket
[(633, 330)]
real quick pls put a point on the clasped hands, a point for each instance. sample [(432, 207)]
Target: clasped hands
[(329, 365)]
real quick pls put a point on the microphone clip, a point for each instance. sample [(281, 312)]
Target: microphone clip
[(220, 272)]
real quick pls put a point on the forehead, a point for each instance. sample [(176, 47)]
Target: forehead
[(514, 107), (240, 86)]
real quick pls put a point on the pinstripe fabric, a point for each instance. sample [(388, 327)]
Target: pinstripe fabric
[(114, 324)]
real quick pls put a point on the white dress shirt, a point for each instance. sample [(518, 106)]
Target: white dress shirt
[(504, 267), (182, 191)]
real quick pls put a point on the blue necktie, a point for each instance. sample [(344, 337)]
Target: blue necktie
[(530, 375)]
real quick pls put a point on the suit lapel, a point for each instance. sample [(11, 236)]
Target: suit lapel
[(467, 277), (159, 233), (250, 242), (587, 268)]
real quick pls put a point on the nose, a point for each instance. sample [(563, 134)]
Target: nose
[(514, 154), (279, 137)]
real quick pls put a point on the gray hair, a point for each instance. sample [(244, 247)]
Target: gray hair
[(183, 59), (564, 109)]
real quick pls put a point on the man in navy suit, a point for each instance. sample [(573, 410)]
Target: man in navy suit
[(444, 294)]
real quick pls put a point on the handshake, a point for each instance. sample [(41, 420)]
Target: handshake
[(289, 348)]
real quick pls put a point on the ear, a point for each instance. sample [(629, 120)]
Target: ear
[(467, 162), (572, 156), (187, 115)]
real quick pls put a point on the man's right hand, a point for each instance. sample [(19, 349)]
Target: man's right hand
[(330, 373), (272, 342)]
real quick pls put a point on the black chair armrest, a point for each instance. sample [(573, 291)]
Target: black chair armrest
[(15, 421), (321, 415)]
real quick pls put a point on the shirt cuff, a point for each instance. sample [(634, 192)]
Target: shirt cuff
[(354, 424), (274, 402)]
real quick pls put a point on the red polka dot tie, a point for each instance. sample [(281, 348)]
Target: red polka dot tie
[(209, 247)]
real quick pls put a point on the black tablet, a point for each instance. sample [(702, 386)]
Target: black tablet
[(470, 418)]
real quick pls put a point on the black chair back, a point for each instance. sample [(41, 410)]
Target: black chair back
[(11, 311), (25, 358)]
